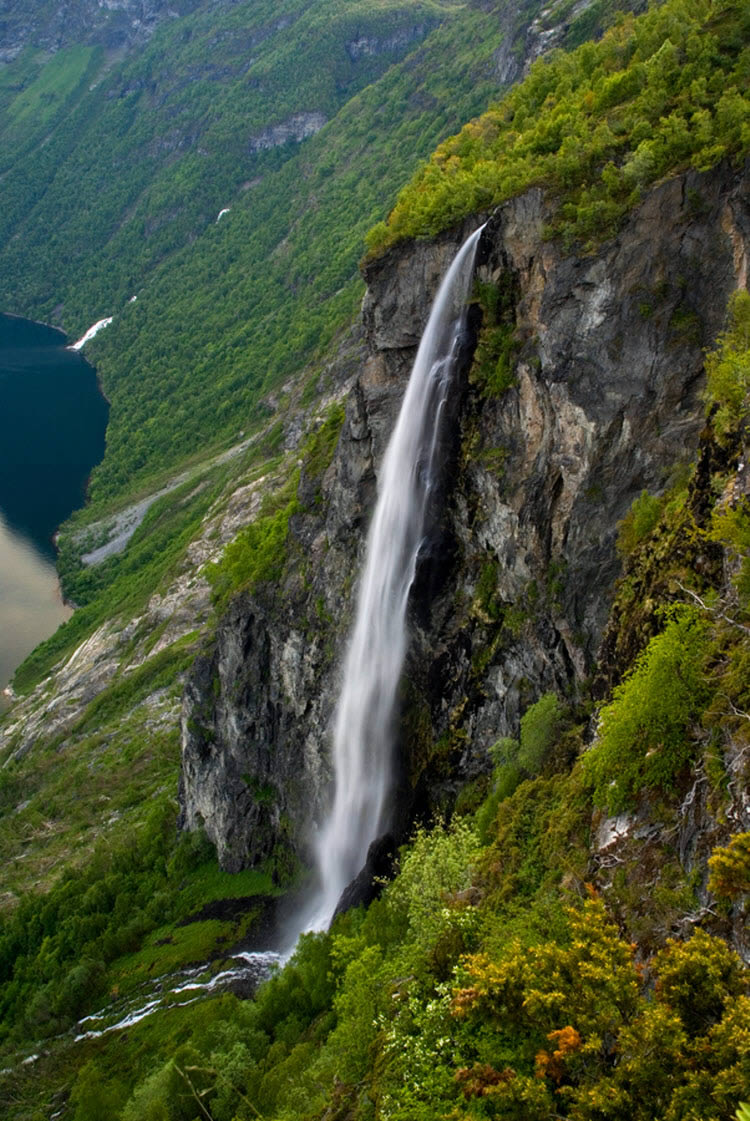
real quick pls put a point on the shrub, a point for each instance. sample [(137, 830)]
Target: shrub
[(729, 868), (640, 520), (645, 733), (728, 369), (540, 726)]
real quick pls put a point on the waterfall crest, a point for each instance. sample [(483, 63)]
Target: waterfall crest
[(363, 737)]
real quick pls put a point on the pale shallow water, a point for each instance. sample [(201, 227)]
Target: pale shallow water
[(31, 605), (52, 424)]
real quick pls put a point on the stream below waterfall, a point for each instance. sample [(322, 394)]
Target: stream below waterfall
[(174, 990)]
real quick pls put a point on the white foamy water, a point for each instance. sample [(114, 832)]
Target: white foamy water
[(363, 738), (92, 331), (163, 993)]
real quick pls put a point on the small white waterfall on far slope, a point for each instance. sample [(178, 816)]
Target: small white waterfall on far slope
[(363, 735)]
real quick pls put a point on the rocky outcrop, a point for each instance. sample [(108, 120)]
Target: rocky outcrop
[(298, 127), (108, 23), (515, 583), (369, 46)]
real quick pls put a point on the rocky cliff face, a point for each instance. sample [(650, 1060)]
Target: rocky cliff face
[(109, 23), (515, 585)]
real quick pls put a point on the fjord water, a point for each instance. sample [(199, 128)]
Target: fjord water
[(363, 737), (52, 424)]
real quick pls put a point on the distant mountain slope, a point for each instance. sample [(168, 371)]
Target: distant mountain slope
[(54, 24), (116, 171)]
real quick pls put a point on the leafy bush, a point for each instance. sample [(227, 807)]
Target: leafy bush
[(577, 1033), (729, 868), (640, 520), (645, 734), (435, 867), (728, 369), (541, 724)]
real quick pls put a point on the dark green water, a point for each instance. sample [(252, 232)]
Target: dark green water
[(52, 425)]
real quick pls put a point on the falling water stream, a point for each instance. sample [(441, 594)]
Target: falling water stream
[(363, 737)]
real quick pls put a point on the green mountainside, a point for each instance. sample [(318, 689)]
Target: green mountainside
[(659, 94), (140, 158), (547, 951)]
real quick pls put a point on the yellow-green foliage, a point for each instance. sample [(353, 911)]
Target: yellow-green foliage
[(446, 998), (728, 369), (576, 1032), (541, 726), (438, 864), (730, 868), (657, 94), (645, 733)]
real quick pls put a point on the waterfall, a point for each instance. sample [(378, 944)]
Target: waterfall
[(363, 736)]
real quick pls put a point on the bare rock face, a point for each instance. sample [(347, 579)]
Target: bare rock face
[(109, 23), (512, 593), (298, 127)]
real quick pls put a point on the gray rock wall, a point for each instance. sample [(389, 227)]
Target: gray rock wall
[(513, 593)]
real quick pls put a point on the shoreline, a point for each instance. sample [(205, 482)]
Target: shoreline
[(37, 323)]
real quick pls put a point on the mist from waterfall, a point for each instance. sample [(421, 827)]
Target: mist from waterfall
[(363, 738)]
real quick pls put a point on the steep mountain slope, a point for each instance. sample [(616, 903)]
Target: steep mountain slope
[(520, 964), (56, 24), (600, 400), (114, 191)]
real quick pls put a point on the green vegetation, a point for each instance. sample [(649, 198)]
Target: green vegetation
[(659, 93), (258, 551), (541, 728), (457, 992), (62, 952), (638, 523), (730, 868), (645, 734), (317, 452), (226, 310), (492, 368), (728, 370)]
